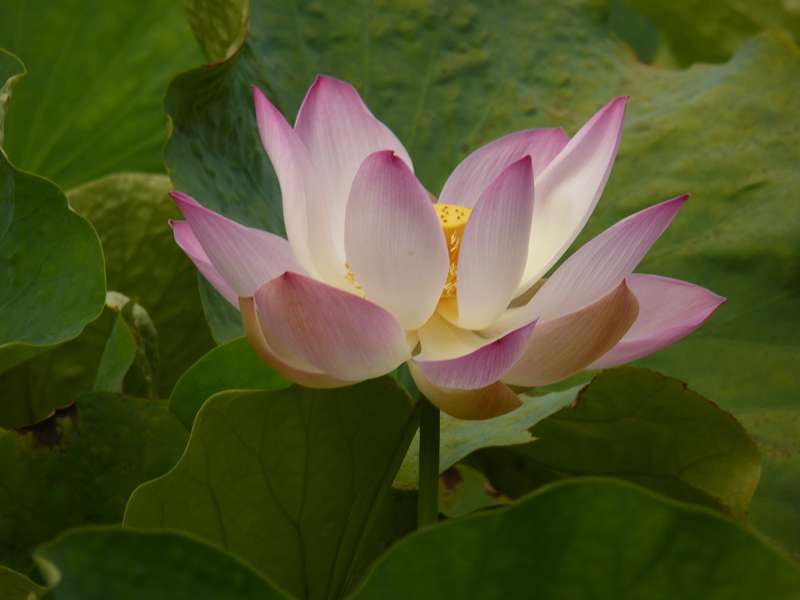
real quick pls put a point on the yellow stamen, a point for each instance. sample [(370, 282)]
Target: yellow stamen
[(453, 219), (351, 279)]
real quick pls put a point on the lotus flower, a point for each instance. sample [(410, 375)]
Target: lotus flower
[(376, 271)]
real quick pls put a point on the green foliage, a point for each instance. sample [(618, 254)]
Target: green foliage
[(294, 481), (80, 467), (112, 354), (130, 212), (118, 356), (220, 27), (459, 438), (92, 101), (52, 273), (100, 563), (232, 366), (464, 490), (16, 586), (12, 70), (699, 31), (52, 266), (637, 425), (584, 531), (588, 538)]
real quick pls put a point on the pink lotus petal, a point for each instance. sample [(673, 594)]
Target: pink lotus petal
[(561, 347), (596, 267), (340, 132), (568, 190), (484, 403), (483, 366), (394, 242), (600, 264), (187, 241), (669, 310), (495, 246), (255, 336), (470, 178), (290, 160), (245, 257), (335, 332)]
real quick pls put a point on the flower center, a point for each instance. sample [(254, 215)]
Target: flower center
[(453, 219)]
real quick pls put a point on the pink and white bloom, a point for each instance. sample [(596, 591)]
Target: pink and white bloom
[(376, 271)]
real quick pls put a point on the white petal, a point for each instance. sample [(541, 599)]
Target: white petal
[(441, 340), (474, 174), (568, 190), (245, 257), (330, 330), (600, 264), (340, 132), (563, 346), (595, 268), (395, 246), (290, 160), (495, 246)]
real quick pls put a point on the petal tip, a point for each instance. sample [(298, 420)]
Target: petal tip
[(260, 100), (677, 202), (385, 155), (328, 80), (612, 114), (289, 277), (385, 159), (619, 103), (182, 199), (714, 302), (526, 163)]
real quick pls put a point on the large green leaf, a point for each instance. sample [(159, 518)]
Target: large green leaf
[(292, 481), (51, 267), (92, 102), (459, 438), (80, 467), (16, 586), (232, 366), (101, 563), (130, 212), (112, 354), (699, 31), (775, 509), (448, 76), (588, 538), (12, 70), (641, 426), (220, 27)]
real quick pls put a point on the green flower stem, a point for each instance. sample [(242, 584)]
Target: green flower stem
[(428, 499)]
